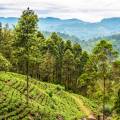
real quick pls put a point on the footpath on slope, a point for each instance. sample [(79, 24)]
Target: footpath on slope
[(81, 105)]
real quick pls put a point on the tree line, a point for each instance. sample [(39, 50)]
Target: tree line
[(59, 61)]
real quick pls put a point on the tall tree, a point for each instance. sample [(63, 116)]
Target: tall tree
[(25, 31), (68, 68), (58, 53), (77, 51), (7, 42), (47, 67), (105, 55)]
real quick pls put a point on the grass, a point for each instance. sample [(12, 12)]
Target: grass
[(46, 101)]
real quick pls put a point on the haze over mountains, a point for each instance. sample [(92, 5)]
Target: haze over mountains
[(82, 30)]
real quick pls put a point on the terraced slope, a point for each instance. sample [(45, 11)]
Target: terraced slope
[(46, 101)]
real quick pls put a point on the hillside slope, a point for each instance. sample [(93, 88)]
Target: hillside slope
[(46, 101)]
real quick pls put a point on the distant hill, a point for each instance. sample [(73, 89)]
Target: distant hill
[(75, 27), (114, 39), (10, 20), (63, 36), (82, 30), (90, 44), (46, 101)]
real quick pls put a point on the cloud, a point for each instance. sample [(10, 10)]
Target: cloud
[(87, 10)]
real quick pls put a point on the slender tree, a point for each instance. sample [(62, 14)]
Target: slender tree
[(25, 31), (68, 68), (58, 54), (104, 53)]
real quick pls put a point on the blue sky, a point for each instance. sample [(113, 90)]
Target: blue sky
[(87, 10)]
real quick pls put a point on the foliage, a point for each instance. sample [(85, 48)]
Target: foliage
[(4, 63), (45, 100), (117, 103), (25, 50)]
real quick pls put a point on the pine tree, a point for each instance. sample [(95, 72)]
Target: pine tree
[(68, 68), (47, 67), (105, 55), (58, 53), (25, 32)]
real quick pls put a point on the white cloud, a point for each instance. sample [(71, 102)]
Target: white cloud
[(87, 10)]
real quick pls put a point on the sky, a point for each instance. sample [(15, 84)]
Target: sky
[(86, 10)]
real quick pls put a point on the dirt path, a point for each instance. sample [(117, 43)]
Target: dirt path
[(81, 105)]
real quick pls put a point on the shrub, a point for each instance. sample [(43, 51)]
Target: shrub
[(50, 93)]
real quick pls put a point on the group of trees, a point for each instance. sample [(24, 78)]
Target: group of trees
[(51, 60), (25, 50)]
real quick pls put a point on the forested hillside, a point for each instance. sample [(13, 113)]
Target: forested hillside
[(114, 39), (63, 36), (88, 79)]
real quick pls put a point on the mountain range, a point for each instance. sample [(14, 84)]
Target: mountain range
[(74, 27)]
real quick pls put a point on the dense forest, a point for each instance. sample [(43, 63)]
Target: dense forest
[(96, 75)]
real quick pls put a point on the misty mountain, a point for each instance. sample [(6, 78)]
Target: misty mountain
[(75, 27)]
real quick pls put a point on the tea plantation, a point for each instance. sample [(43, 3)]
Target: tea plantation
[(46, 101)]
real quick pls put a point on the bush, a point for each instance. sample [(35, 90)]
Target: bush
[(107, 110), (50, 93), (59, 88), (4, 63)]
